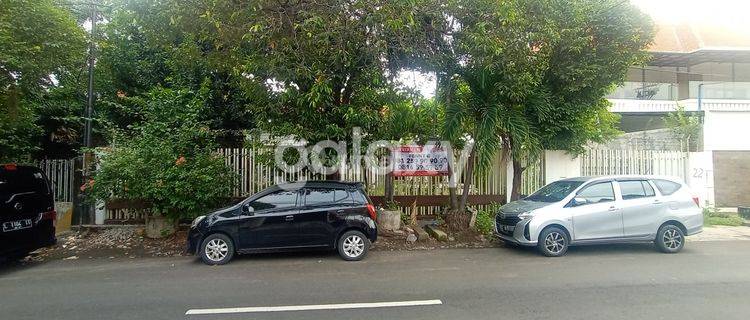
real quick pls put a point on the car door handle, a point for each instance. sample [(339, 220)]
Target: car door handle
[(289, 218), (613, 208), (657, 201), (340, 211)]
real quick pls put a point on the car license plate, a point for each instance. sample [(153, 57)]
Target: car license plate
[(16, 225), (508, 228)]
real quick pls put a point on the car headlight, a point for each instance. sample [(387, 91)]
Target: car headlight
[(526, 215), (196, 221)]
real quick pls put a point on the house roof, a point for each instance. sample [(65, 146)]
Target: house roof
[(689, 44)]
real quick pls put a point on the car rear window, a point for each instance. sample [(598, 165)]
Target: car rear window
[(315, 196), (667, 187), (22, 180)]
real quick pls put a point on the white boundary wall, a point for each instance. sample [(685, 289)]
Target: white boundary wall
[(695, 168)]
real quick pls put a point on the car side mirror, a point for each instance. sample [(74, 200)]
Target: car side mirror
[(247, 209), (578, 201)]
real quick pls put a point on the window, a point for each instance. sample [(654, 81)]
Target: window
[(667, 187), (278, 199), (315, 196), (649, 190), (635, 189), (596, 193), (23, 179), (318, 196), (341, 196), (554, 192)]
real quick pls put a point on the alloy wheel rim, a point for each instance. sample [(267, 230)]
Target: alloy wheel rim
[(354, 246), (217, 250), (672, 239), (554, 242)]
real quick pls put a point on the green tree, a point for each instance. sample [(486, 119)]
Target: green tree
[(684, 127), (530, 75), (144, 44), (39, 42), (318, 69), (168, 160)]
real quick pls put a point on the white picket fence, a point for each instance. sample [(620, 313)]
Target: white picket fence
[(256, 173), (60, 172), (613, 162)]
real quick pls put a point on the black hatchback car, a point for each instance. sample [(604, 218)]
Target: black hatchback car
[(27, 211), (314, 214)]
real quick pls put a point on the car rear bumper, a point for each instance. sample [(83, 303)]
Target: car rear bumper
[(43, 235), (694, 230)]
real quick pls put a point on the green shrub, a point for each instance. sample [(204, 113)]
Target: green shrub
[(485, 222), (711, 217), (167, 160), (486, 219)]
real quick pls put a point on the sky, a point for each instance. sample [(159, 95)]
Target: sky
[(727, 13)]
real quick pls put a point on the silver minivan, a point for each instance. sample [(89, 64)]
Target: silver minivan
[(599, 210)]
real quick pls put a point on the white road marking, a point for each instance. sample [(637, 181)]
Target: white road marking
[(317, 307)]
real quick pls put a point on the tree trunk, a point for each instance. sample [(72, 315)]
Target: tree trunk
[(515, 192), (454, 198), (452, 186), (467, 181), (388, 188)]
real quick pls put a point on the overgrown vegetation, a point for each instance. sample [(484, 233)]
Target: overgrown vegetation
[(168, 160), (514, 77), (485, 222), (712, 217)]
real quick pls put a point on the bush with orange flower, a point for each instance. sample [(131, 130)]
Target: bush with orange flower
[(167, 160)]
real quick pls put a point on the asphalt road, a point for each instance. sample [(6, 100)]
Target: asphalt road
[(708, 280)]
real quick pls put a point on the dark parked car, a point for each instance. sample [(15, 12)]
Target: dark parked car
[(314, 214), (27, 211)]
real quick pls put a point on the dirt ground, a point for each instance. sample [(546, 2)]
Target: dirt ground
[(391, 241), (115, 242), (127, 242)]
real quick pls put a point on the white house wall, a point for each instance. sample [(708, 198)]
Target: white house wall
[(726, 130)]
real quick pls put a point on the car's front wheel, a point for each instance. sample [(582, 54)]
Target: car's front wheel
[(216, 249), (353, 245), (553, 242), (670, 239)]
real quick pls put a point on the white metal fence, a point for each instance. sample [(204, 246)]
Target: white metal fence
[(612, 162), (60, 172)]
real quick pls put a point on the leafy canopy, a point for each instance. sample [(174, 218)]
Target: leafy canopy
[(39, 42)]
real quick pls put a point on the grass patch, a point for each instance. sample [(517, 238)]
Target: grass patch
[(711, 217)]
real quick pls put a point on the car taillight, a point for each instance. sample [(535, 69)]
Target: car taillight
[(697, 201), (10, 167), (49, 215), (372, 212)]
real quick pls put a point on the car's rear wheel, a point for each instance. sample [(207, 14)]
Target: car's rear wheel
[(353, 245), (216, 249), (553, 242), (670, 239)]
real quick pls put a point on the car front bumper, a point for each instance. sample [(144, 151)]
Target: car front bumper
[(193, 240), (517, 236)]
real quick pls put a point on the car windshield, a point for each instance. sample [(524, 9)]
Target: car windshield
[(554, 192)]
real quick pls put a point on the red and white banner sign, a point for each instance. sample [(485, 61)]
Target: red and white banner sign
[(414, 160)]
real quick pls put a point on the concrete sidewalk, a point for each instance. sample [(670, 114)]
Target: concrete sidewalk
[(722, 233)]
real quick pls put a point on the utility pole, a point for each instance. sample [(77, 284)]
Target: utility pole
[(88, 157)]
